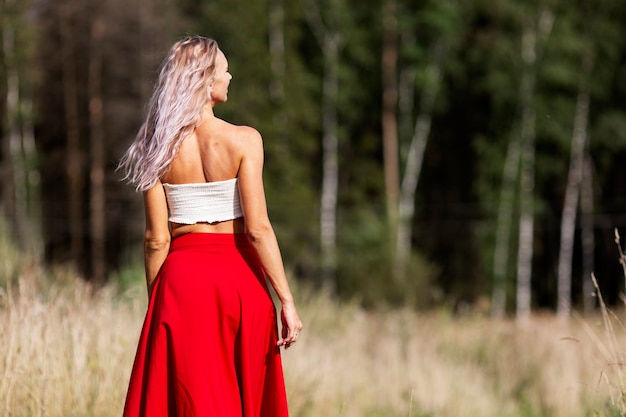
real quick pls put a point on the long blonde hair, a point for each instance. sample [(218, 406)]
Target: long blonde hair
[(175, 109)]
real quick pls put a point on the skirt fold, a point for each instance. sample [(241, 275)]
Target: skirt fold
[(208, 344)]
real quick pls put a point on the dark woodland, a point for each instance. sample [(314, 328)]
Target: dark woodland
[(420, 153)]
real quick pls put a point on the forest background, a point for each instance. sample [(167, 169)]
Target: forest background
[(421, 153), (443, 176)]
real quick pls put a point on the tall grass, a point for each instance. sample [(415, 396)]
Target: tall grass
[(611, 347), (66, 350), (353, 363)]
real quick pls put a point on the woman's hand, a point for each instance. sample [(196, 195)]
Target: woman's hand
[(292, 326)]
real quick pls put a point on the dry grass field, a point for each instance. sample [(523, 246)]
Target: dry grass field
[(66, 351)]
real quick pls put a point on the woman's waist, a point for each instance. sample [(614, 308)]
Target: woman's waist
[(228, 226), (199, 239)]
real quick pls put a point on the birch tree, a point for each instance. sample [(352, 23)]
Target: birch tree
[(504, 226), (587, 232), (445, 26), (534, 34), (527, 176), (276, 39), (415, 156), (330, 41), (572, 192), (518, 170)]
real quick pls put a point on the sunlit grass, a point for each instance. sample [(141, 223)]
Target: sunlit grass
[(67, 350), (353, 363)]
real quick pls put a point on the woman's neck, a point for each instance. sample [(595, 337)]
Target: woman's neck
[(207, 112)]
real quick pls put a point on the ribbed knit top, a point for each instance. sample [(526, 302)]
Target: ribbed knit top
[(209, 202)]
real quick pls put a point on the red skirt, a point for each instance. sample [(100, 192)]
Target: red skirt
[(208, 343)]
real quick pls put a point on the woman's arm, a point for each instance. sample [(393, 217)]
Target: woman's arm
[(261, 234), (157, 234)]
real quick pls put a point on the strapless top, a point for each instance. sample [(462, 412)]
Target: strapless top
[(209, 202)]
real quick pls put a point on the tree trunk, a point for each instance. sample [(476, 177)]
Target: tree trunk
[(527, 224), (277, 66), (570, 205), (97, 198), (389, 115), (504, 225), (530, 51), (330, 181), (330, 42), (527, 179), (72, 125), (413, 168), (587, 233), (406, 99)]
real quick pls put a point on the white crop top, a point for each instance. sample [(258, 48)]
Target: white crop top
[(209, 202)]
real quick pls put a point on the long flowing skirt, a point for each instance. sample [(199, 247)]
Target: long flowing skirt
[(208, 343)]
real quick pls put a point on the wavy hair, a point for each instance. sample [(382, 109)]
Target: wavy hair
[(175, 109)]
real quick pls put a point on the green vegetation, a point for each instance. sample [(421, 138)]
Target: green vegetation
[(479, 144)]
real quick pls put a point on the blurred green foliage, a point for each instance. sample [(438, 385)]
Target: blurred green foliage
[(476, 115)]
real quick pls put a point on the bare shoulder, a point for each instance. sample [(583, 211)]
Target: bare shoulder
[(248, 133), (247, 138)]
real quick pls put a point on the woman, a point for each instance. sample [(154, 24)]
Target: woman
[(209, 345)]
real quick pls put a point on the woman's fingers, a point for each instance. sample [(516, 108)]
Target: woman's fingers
[(291, 338), (292, 326)]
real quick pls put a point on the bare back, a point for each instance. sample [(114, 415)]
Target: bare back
[(213, 152)]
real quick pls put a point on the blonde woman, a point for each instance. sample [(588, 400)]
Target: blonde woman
[(209, 345)]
